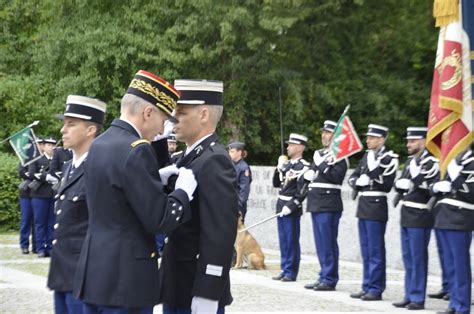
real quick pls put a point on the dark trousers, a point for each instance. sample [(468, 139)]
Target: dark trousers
[(446, 263), (103, 309), (372, 247), (43, 209), (289, 238), (325, 231), (174, 310), (65, 303), (415, 259), (456, 245), (26, 224)]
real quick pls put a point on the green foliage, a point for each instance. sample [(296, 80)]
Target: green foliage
[(9, 180), (324, 54)]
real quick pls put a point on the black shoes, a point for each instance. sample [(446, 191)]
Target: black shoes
[(415, 306), (371, 297), (25, 251), (287, 279), (278, 277), (311, 285), (446, 297), (437, 295), (403, 303), (324, 287), (358, 295), (43, 254), (448, 311)]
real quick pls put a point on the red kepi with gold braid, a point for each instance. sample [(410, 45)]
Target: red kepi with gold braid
[(450, 117)]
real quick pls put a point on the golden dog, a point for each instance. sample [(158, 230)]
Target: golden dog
[(247, 248)]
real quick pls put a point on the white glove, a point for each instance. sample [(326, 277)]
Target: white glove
[(317, 158), (309, 175), (442, 186), (404, 184), (454, 169), (414, 168), (372, 163), (186, 182), (167, 172), (37, 175), (285, 211), (51, 179), (363, 180), (167, 130), (202, 305), (282, 160)]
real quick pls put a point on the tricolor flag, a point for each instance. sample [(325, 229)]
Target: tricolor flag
[(25, 146), (450, 118), (345, 141)]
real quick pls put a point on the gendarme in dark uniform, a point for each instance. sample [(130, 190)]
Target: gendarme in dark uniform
[(420, 172), (197, 255), (324, 181), (70, 207), (127, 205), (244, 176), (41, 193), (455, 223), (373, 179), (289, 205)]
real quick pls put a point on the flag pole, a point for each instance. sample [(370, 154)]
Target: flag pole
[(28, 126)]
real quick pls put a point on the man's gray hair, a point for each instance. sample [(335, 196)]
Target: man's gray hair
[(215, 113), (132, 104)]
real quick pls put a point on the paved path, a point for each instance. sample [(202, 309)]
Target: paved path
[(23, 288)]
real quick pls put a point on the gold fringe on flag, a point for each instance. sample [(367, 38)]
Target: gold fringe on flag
[(445, 12)]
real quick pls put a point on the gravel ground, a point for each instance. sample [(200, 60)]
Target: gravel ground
[(23, 287)]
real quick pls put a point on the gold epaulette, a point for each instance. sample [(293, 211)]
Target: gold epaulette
[(138, 142)]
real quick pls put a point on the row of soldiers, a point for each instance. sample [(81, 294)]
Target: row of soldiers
[(39, 181), (427, 202)]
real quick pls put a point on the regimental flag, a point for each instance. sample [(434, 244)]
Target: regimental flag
[(345, 141), (25, 146), (450, 129)]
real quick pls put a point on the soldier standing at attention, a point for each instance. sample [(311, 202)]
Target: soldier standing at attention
[(117, 271), (172, 147), (83, 119), (421, 170), (237, 153), (289, 205), (324, 181), (26, 212), (197, 255), (41, 193), (455, 223), (373, 179)]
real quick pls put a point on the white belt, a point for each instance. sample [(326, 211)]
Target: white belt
[(457, 203), (414, 205), (324, 185), (372, 193), (284, 198)]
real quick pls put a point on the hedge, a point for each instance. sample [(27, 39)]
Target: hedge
[(9, 180)]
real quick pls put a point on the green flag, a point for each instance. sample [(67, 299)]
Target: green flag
[(25, 146)]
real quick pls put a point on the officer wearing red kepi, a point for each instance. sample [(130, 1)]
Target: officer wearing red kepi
[(421, 171), (83, 119), (373, 179), (117, 270)]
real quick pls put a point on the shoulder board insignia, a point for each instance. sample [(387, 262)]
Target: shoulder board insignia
[(138, 142), (304, 162), (465, 162)]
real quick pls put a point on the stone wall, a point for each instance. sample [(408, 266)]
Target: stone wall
[(262, 205)]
